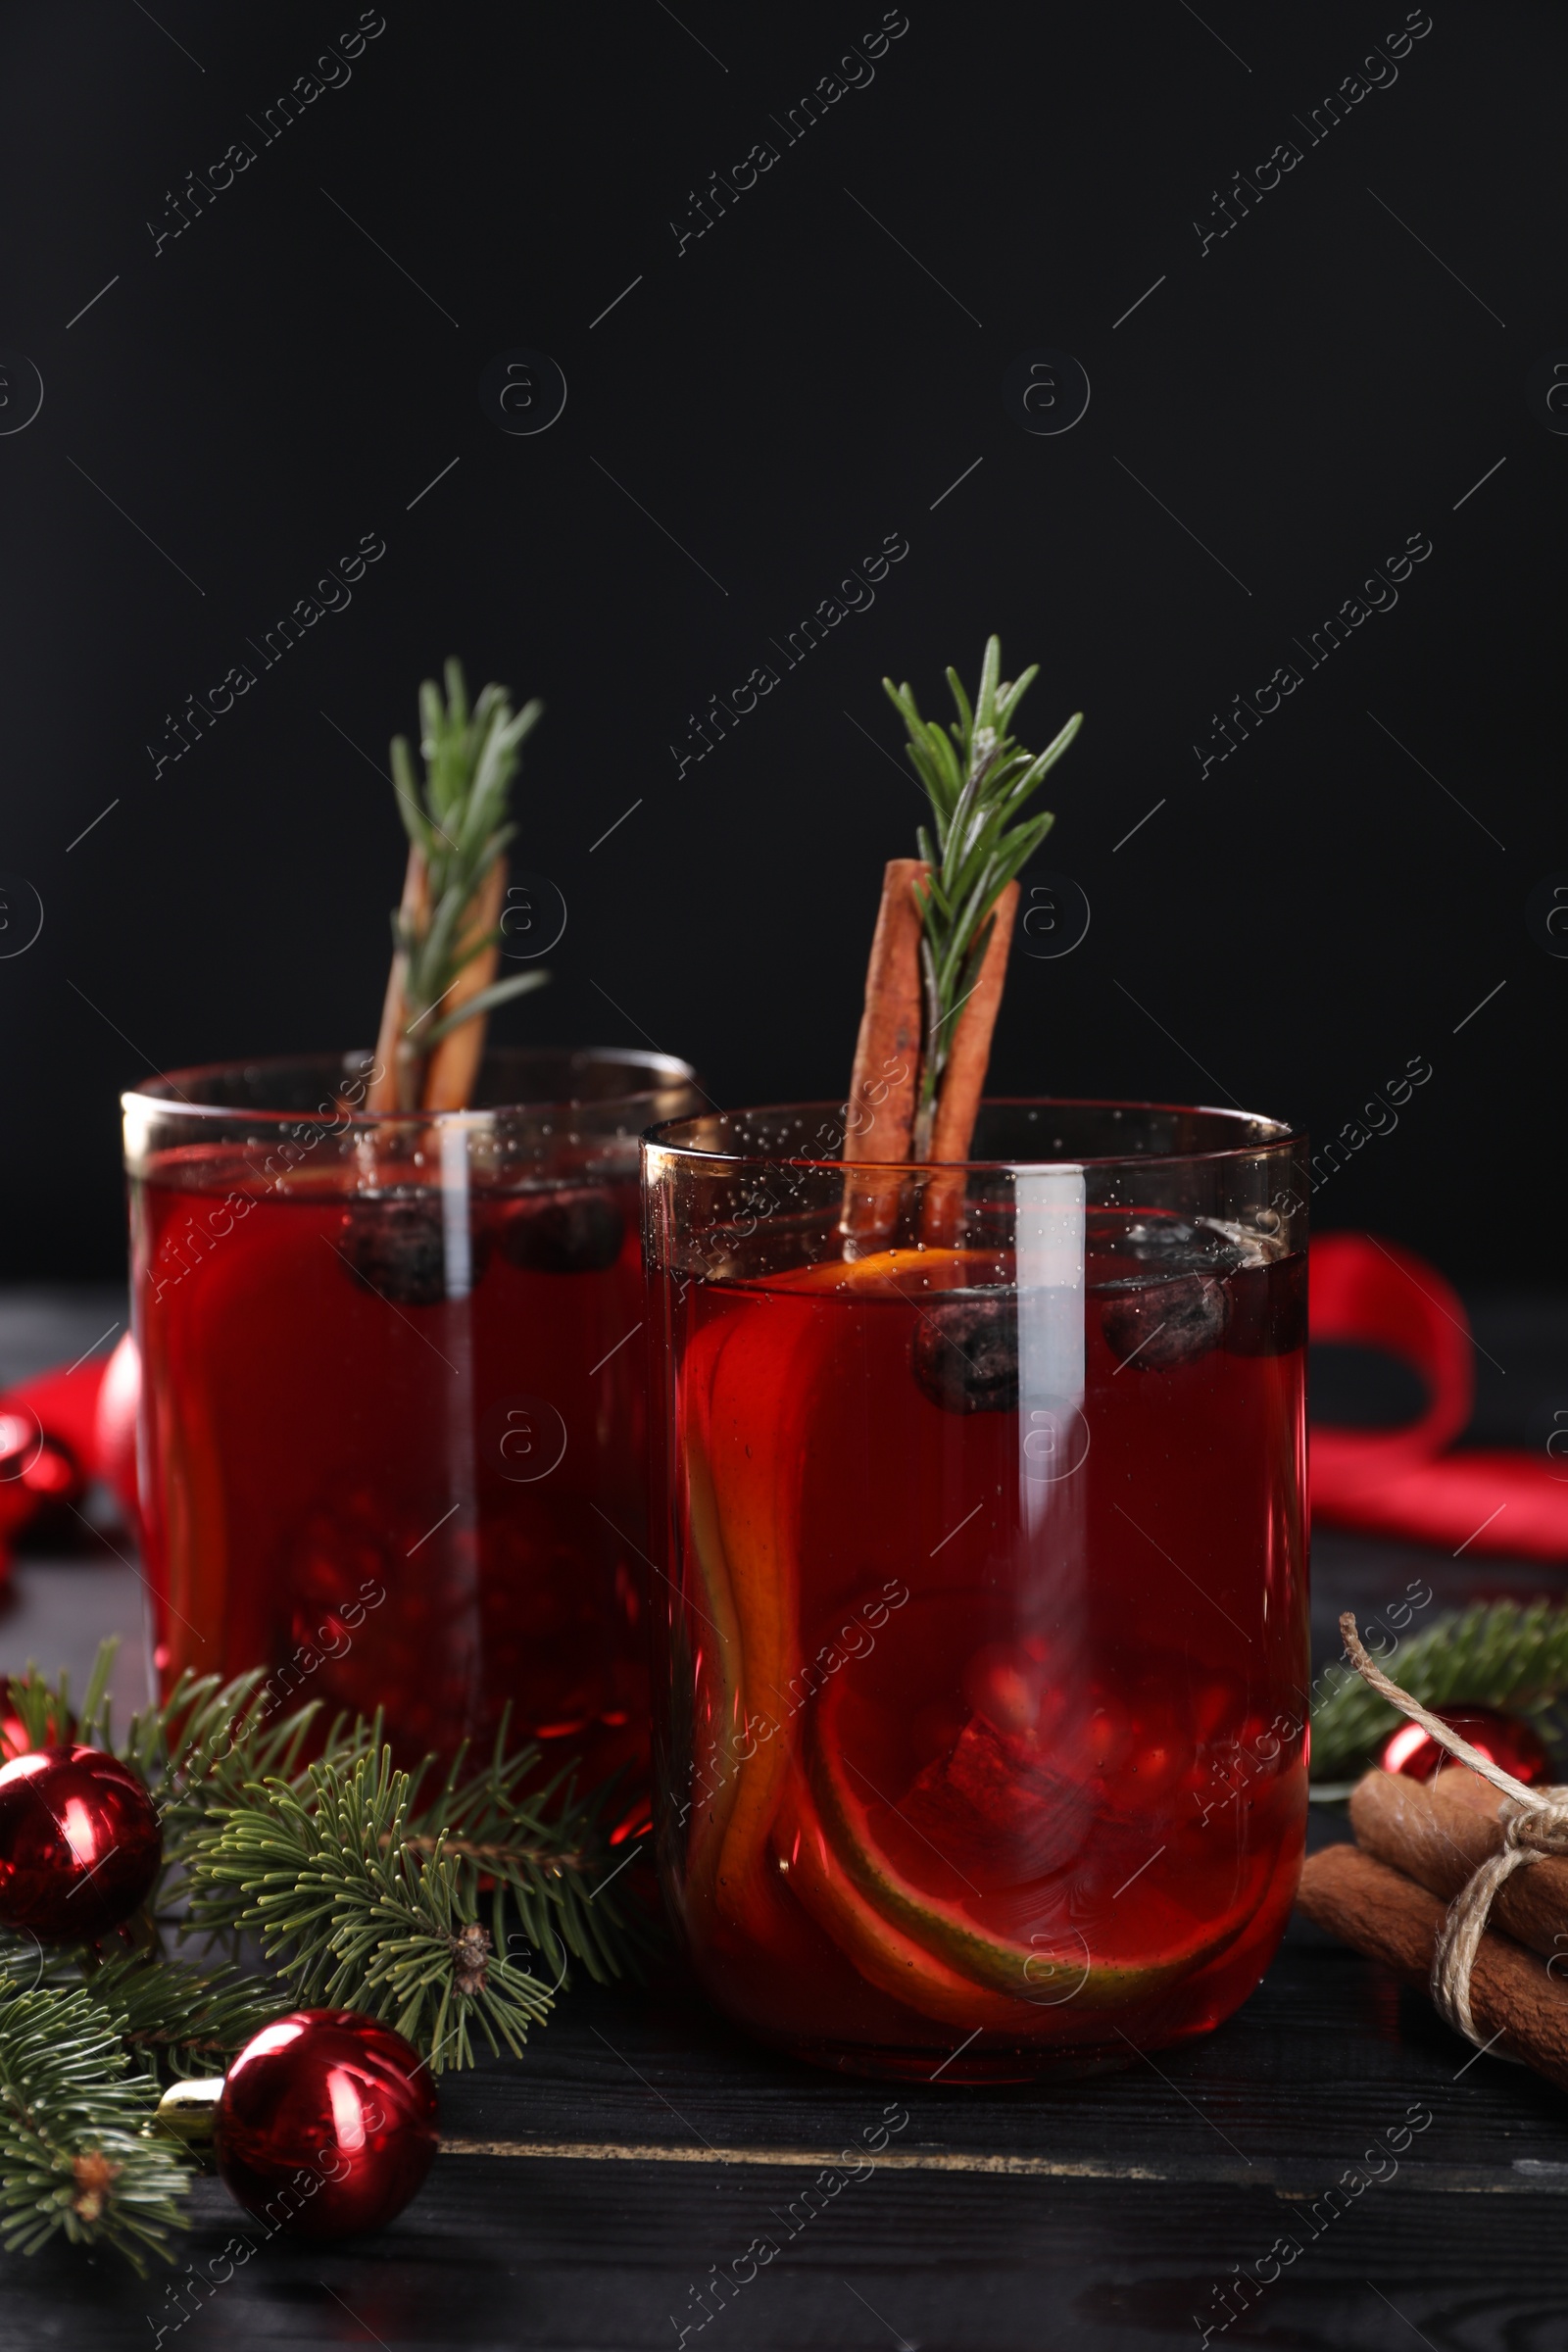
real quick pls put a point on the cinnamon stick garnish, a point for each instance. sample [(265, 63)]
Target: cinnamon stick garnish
[(455, 1064), (1387, 1917), (970, 1052), (384, 1094), (1440, 1831), (879, 1116), (963, 1080)]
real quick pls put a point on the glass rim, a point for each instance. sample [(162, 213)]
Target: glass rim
[(166, 1094), (1282, 1136)]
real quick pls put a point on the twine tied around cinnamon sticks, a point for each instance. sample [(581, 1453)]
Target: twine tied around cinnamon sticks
[(1537, 1826)]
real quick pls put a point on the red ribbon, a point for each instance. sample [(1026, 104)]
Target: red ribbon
[(61, 1430), (1404, 1481)]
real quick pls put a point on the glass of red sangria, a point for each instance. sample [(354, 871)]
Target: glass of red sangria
[(392, 1436), (981, 1625)]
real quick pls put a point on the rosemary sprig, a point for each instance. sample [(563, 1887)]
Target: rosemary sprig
[(977, 779), (457, 822)]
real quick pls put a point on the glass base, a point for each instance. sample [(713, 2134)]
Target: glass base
[(1192, 2011)]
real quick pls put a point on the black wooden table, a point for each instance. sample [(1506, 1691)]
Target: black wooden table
[(1377, 2182)]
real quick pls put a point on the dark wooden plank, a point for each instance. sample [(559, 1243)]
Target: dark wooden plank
[(1150, 2187), (585, 2257), (1327, 2050), (1157, 2183)]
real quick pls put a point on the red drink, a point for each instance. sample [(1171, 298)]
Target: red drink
[(393, 1419), (987, 1685)]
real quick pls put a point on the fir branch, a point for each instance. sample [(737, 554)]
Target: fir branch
[(25, 1964), (174, 2020), (194, 1750), (72, 2156), (977, 779), (546, 1848), (43, 1708), (197, 1749), (370, 1888), (356, 1916), (367, 1893), (178, 2020), (209, 1742), (1494, 1655)]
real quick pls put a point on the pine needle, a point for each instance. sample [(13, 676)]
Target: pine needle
[(71, 2116), (355, 1915), (178, 2020)]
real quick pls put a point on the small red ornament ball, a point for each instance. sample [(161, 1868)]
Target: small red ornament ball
[(14, 1740), (1502, 1738), (79, 1843), (326, 2125)]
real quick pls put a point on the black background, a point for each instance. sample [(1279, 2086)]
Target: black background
[(1288, 932)]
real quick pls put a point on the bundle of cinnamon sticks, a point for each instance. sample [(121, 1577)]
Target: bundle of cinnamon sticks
[(885, 1085), (1418, 1845)]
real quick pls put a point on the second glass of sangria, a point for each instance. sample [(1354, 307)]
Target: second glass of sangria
[(392, 1430)]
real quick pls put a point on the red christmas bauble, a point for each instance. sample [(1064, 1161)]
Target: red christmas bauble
[(33, 1463), (114, 1425), (1502, 1738), (327, 2123), (14, 1740), (79, 1843)]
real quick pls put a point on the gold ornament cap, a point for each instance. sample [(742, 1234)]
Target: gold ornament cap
[(187, 2110)]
